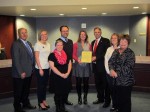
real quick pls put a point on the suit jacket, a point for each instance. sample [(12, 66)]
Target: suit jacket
[(21, 59), (100, 53)]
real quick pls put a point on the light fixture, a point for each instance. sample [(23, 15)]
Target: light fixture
[(144, 12), (22, 15), (136, 7), (32, 9), (104, 13), (84, 8), (61, 14)]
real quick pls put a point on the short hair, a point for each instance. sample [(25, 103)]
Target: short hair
[(86, 39), (118, 38), (57, 41), (19, 30), (39, 34), (126, 37), (63, 26), (97, 28)]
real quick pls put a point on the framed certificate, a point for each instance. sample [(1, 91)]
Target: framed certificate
[(86, 57)]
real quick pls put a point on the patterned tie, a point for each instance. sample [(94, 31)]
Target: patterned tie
[(29, 50), (95, 46), (66, 40)]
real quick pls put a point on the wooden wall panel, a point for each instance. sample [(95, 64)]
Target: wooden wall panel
[(7, 33), (141, 72), (148, 37)]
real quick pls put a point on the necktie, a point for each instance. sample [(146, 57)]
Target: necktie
[(29, 50), (66, 40), (95, 46)]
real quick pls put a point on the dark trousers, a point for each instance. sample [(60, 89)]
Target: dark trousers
[(112, 88), (79, 85), (103, 91), (113, 96), (67, 94), (124, 98), (60, 102), (42, 84), (21, 92)]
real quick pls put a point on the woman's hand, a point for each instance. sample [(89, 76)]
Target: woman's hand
[(64, 75), (113, 74), (79, 61), (41, 72)]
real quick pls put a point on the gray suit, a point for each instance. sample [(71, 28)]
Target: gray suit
[(21, 60)]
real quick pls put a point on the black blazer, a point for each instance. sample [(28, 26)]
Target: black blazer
[(21, 60), (100, 53)]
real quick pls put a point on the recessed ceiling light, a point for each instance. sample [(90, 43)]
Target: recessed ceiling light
[(135, 7), (104, 13), (144, 12), (61, 14), (32, 9), (84, 8), (22, 15)]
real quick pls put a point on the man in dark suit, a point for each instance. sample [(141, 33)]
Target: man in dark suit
[(68, 48), (99, 47), (22, 67)]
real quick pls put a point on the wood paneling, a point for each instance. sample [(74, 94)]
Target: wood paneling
[(142, 77), (6, 84), (148, 37), (7, 33), (141, 72)]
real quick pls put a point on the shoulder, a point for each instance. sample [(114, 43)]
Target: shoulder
[(37, 45), (51, 57), (75, 44), (105, 39), (69, 40), (48, 43), (92, 41), (17, 43), (130, 51), (110, 48)]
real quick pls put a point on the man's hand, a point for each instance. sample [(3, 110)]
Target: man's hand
[(23, 75)]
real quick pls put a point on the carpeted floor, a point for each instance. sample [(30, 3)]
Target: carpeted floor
[(140, 103)]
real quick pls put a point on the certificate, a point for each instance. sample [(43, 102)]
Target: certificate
[(86, 57)]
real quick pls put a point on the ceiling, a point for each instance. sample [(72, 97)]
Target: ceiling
[(71, 8)]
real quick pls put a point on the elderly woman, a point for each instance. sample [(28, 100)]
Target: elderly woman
[(114, 41), (121, 66), (61, 68), (42, 51)]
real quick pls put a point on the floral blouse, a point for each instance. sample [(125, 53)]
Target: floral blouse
[(123, 65)]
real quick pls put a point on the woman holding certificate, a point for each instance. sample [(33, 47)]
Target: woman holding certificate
[(82, 70)]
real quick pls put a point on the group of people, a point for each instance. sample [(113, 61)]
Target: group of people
[(112, 65)]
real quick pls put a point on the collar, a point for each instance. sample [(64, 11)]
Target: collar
[(23, 41), (64, 39), (98, 39)]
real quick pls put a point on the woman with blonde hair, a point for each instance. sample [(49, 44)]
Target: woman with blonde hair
[(42, 51)]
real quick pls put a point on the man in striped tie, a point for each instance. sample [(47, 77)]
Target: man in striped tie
[(22, 68)]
